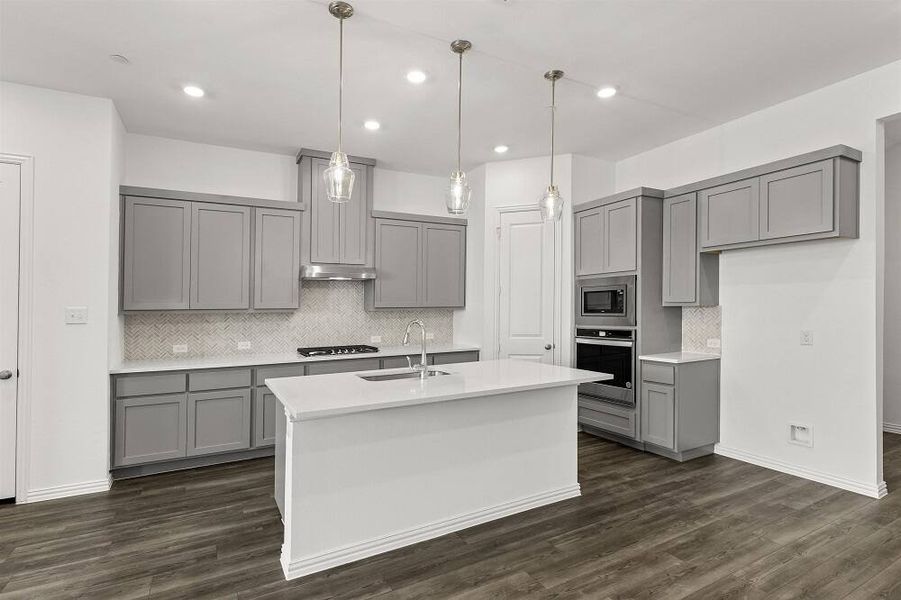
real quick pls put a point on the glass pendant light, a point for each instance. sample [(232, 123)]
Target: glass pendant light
[(458, 191), (339, 178), (550, 206)]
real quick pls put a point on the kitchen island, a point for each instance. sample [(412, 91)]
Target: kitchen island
[(366, 466)]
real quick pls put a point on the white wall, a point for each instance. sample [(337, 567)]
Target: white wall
[(72, 139), (892, 340), (769, 294), (410, 192), (469, 323)]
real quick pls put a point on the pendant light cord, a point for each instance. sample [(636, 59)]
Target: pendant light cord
[(459, 111), (340, 78), (553, 111)]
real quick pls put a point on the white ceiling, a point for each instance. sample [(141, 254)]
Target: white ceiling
[(270, 68)]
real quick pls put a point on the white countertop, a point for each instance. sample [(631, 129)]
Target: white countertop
[(250, 360), (318, 396), (679, 357)]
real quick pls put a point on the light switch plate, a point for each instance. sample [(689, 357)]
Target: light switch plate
[(244, 345), (806, 337), (375, 339), (429, 336), (713, 343), (800, 435), (76, 315), (179, 348)]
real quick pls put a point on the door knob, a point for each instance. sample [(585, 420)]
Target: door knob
[(6, 374), (548, 346)]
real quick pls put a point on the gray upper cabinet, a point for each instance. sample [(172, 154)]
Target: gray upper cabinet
[(689, 277), (420, 263), (218, 421), (589, 250), (149, 429), (620, 238), (276, 271), (220, 256), (444, 265), (335, 233), (398, 262), (156, 254), (797, 201), (729, 214)]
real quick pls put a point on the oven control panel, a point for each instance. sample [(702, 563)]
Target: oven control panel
[(610, 334)]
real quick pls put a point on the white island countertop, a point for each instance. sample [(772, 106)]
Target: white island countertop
[(320, 396), (253, 360), (677, 358)]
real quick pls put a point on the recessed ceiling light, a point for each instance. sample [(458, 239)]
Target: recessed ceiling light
[(416, 77), (194, 91), (608, 91), (372, 125), (501, 149), (119, 58)]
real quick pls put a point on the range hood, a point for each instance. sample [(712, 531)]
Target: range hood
[(337, 272)]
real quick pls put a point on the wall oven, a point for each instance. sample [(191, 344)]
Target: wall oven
[(607, 351), (605, 302)]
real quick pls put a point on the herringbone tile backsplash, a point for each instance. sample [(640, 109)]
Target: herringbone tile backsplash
[(331, 312), (700, 324)]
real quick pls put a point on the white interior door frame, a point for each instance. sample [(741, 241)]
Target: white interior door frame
[(26, 253), (493, 288)]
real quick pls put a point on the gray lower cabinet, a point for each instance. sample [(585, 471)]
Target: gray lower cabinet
[(729, 214), (218, 421), (344, 366), (156, 254), (602, 416), (454, 357), (680, 407), (690, 278), (149, 429), (606, 238), (420, 264), (220, 256), (276, 258), (265, 413)]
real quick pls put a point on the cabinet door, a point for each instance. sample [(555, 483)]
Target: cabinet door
[(729, 213), (449, 358), (680, 249), (156, 258), (276, 281), (265, 405), (344, 366), (324, 219), (353, 217), (589, 250), (658, 415), (148, 429), (797, 201), (444, 265), (620, 236), (398, 258), (218, 421), (220, 256)]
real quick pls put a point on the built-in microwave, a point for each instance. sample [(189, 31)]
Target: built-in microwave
[(605, 301)]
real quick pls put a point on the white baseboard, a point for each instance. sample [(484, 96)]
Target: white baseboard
[(70, 489), (873, 491), (347, 554), (891, 428)]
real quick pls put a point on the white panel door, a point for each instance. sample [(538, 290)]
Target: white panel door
[(10, 191), (526, 281)]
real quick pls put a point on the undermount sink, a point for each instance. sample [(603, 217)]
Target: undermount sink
[(405, 375)]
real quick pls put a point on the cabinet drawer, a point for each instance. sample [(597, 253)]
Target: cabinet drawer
[(455, 357), (343, 366), (397, 362), (658, 373), (606, 417), (145, 385), (218, 380), (264, 373)]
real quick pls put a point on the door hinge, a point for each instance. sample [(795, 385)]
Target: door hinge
[(497, 232)]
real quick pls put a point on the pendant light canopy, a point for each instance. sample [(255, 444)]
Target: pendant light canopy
[(458, 192), (550, 205), (339, 178)]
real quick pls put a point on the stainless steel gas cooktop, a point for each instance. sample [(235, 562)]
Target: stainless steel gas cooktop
[(336, 350)]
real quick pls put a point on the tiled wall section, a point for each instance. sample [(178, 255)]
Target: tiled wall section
[(700, 324), (331, 313)]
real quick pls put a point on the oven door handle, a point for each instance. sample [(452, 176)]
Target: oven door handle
[(597, 342)]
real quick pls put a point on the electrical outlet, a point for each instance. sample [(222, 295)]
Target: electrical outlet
[(179, 348), (800, 435), (76, 315), (713, 343), (806, 337), (243, 345), (429, 336), (375, 339)]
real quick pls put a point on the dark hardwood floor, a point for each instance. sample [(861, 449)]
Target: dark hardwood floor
[(644, 527)]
